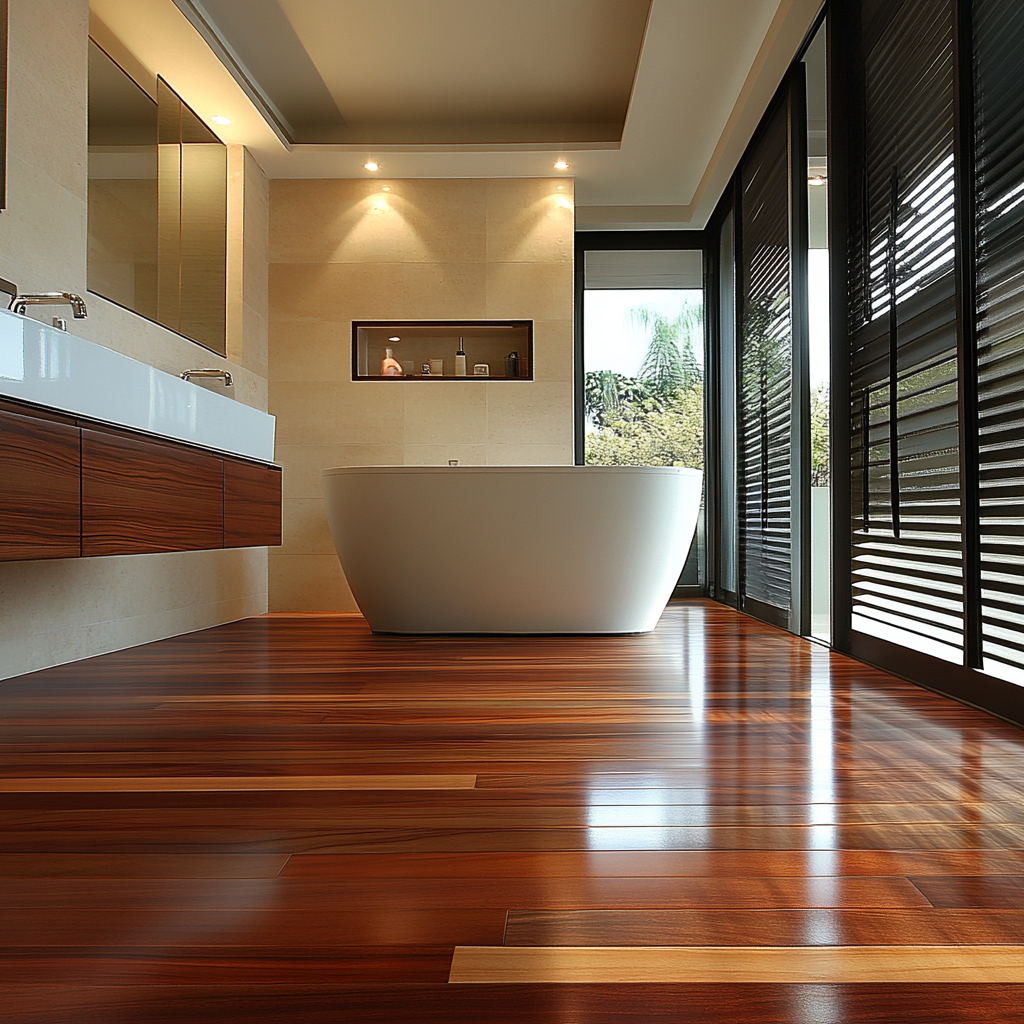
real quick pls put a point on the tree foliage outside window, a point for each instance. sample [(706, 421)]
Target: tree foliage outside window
[(657, 417), (819, 436)]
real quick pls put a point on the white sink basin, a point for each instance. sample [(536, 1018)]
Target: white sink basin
[(53, 368)]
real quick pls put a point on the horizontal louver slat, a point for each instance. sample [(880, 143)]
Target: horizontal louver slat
[(907, 584), (999, 211), (766, 363)]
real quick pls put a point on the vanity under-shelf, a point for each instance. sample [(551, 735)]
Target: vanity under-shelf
[(173, 468)]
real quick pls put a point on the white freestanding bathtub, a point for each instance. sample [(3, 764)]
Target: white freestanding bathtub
[(512, 549)]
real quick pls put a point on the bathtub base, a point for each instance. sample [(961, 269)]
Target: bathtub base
[(499, 550)]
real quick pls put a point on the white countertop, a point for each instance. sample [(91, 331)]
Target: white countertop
[(54, 368)]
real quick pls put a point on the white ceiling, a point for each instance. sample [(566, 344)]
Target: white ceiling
[(430, 88)]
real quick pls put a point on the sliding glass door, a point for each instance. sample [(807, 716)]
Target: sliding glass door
[(773, 412)]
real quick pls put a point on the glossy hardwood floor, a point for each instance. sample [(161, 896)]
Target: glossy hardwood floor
[(289, 819)]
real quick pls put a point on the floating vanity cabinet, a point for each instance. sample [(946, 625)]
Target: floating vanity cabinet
[(40, 510), (72, 487), (141, 495), (252, 504)]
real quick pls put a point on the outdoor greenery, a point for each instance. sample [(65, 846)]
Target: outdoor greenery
[(657, 417), (819, 436)]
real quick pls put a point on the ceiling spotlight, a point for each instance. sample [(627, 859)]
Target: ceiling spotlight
[(817, 179), (396, 338), (220, 119), (386, 188), (371, 165), (559, 188), (561, 165)]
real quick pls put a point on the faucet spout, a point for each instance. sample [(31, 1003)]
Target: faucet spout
[(189, 374), (21, 302)]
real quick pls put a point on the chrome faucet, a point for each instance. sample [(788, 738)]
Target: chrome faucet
[(20, 302), (189, 374)]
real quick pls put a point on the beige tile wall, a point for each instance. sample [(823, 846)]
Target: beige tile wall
[(344, 250), (57, 611)]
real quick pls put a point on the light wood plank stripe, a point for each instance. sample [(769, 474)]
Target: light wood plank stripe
[(734, 964), (192, 784)]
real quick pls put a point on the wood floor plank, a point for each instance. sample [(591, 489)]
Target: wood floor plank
[(993, 891), (737, 965), (525, 1004), (141, 865), (459, 894), (657, 863), (83, 927), (212, 838), (716, 784), (323, 965), (157, 784), (761, 927), (425, 812)]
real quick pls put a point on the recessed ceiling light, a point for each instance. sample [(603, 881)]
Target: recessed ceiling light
[(561, 165), (220, 119), (817, 179), (394, 339), (560, 188), (386, 188), (371, 165)]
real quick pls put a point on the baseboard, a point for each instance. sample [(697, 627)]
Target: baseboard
[(967, 685)]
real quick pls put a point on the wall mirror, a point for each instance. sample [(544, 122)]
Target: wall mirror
[(157, 205)]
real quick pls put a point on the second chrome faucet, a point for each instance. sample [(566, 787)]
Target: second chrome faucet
[(21, 302)]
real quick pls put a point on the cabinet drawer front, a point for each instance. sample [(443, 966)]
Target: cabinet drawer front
[(40, 496), (142, 496), (252, 505)]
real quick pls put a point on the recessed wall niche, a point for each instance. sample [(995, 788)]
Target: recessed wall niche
[(426, 349), (157, 205)]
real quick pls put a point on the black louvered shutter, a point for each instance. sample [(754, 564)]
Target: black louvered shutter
[(999, 213), (907, 544), (766, 374)]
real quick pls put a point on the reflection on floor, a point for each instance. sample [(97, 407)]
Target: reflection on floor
[(290, 819)]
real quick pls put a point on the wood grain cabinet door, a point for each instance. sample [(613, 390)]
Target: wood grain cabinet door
[(252, 504), (40, 497), (141, 496)]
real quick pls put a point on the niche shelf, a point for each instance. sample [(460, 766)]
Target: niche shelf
[(485, 341)]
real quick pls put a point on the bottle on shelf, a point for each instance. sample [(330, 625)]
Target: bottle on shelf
[(460, 360), (390, 366), (512, 364)]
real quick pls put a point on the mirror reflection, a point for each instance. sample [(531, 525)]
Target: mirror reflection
[(157, 205)]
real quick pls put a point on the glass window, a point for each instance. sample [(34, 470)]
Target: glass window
[(819, 335), (727, 404), (643, 364)]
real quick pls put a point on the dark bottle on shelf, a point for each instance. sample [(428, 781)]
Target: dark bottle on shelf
[(512, 364)]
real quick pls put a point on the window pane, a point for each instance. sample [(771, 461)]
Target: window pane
[(643, 377)]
